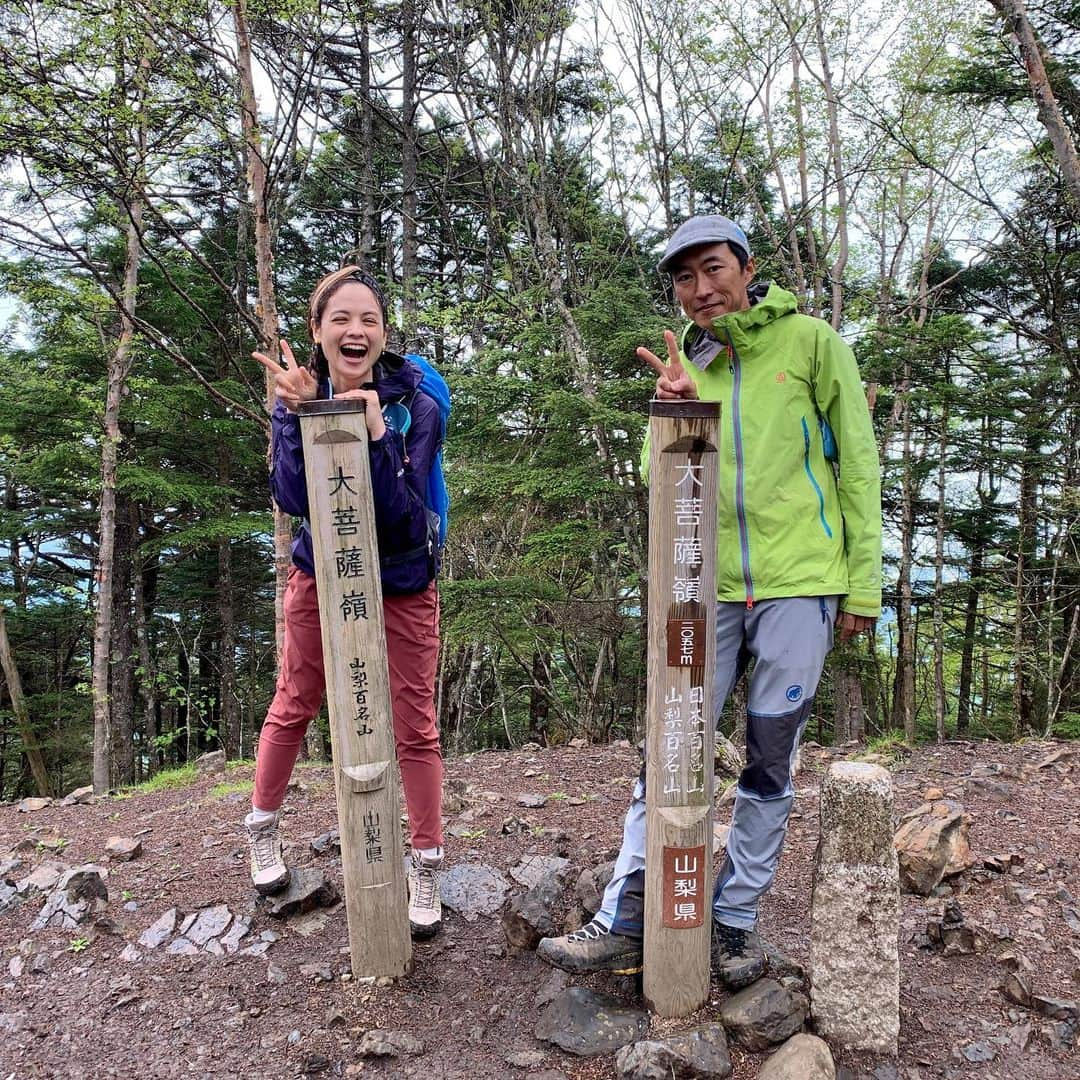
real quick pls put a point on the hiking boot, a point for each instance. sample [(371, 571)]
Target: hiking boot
[(425, 906), (269, 874), (737, 955), (592, 948)]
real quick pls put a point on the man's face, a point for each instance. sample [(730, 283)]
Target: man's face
[(709, 283)]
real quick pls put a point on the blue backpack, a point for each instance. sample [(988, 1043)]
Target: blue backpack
[(437, 497)]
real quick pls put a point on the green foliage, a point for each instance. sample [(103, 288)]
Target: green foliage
[(167, 780)]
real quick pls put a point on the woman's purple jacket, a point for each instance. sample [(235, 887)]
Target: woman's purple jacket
[(408, 556)]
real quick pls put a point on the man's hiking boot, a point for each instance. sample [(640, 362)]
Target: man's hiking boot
[(737, 955), (425, 905), (592, 948), (269, 874)]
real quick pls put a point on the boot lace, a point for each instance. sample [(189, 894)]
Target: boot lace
[(425, 887), (589, 932), (264, 848)]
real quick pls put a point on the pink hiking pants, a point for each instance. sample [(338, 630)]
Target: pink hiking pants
[(412, 647)]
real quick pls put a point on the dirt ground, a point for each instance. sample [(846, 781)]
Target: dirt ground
[(71, 1006)]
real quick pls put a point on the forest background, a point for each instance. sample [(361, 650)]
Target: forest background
[(174, 176)]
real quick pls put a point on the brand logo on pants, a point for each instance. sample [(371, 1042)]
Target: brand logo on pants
[(794, 692)]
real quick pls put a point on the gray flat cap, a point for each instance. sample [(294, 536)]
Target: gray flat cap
[(704, 229)]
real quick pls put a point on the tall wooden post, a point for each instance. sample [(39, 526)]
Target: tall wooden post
[(357, 684), (679, 726)]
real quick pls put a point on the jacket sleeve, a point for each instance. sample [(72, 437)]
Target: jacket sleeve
[(288, 484), (398, 485), (841, 400)]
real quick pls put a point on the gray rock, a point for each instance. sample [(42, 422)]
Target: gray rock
[(130, 954), (230, 941), (531, 800), (9, 896), (763, 1014), (15, 966), (41, 879), (275, 974), (211, 764), (123, 848), (12, 1023), (589, 890), (379, 1043), (8, 868), (80, 796), (700, 1052), (534, 868), (160, 930), (854, 951), (473, 889), (584, 1023), (210, 923), (79, 893), (307, 890), (531, 915), (30, 806), (317, 971), (525, 1059), (802, 1057), (181, 947), (328, 842), (977, 1052), (556, 983), (1055, 1008)]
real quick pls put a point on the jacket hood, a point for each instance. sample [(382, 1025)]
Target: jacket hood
[(768, 302)]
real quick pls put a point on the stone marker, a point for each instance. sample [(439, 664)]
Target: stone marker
[(854, 956)]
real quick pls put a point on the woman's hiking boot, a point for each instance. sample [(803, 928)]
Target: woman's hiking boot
[(592, 948)]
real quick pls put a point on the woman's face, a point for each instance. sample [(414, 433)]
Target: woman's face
[(352, 335)]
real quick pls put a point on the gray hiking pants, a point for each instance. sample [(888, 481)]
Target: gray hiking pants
[(788, 639)]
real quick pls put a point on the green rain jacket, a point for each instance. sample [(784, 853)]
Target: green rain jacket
[(789, 522)]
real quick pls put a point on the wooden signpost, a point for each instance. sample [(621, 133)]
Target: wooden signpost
[(679, 726), (357, 684)]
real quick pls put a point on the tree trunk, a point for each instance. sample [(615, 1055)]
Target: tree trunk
[(904, 689), (940, 706), (121, 667), (266, 310), (410, 20), (118, 367), (22, 716), (1031, 52), (971, 617)]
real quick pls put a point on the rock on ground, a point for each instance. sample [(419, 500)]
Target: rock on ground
[(472, 890), (854, 950), (802, 1057), (932, 843), (584, 1023), (701, 1052), (763, 1014)]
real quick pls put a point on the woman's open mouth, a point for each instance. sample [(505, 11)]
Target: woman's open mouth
[(354, 352)]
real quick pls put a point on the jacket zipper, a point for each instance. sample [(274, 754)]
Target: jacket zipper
[(813, 479), (740, 509)]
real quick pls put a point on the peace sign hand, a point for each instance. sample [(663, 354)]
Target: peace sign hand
[(673, 382), (292, 383)]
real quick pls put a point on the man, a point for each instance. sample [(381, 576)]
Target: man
[(798, 556)]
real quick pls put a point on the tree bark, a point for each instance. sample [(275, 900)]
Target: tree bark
[(22, 716), (266, 310), (1031, 52)]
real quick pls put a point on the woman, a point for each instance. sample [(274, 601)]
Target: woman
[(348, 325)]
